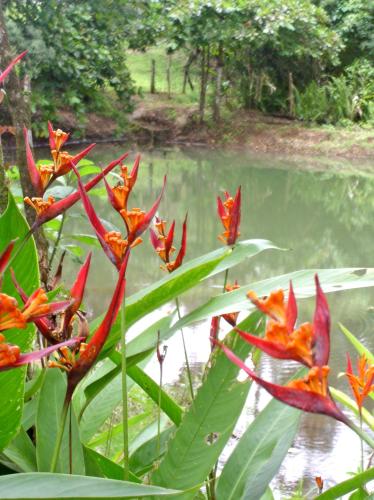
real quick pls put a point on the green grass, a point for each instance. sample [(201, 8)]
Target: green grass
[(139, 64)]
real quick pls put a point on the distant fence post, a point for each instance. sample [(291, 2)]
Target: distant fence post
[(153, 77)]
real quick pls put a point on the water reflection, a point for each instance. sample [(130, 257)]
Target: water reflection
[(327, 221)]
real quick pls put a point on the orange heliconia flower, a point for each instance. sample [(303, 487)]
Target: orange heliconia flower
[(281, 339), (39, 205), (229, 213), (315, 381), (133, 219), (67, 358), (10, 314), (362, 383), (162, 242), (9, 354)]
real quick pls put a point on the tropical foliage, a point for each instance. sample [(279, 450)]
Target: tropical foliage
[(57, 416)]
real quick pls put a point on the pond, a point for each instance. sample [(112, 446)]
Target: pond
[(325, 217)]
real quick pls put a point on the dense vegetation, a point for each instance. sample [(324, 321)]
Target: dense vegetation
[(301, 58)]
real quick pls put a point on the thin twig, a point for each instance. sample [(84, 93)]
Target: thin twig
[(185, 352)]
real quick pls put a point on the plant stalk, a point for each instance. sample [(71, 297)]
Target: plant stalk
[(185, 352), (55, 246), (125, 409), (159, 415), (60, 435), (363, 435)]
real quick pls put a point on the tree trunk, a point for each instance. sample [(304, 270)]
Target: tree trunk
[(153, 77), (203, 83), (218, 85), (20, 111), (291, 95), (186, 72), (3, 182), (168, 76)]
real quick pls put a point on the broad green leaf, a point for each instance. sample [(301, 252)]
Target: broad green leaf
[(145, 456), (44, 486), (111, 433), (208, 424), (88, 239), (137, 350), (268, 495), (25, 265), (332, 280), (88, 169), (48, 419), (99, 466), (149, 386), (360, 348), (352, 405), (259, 453), (347, 486), (101, 407), (21, 451), (181, 280)]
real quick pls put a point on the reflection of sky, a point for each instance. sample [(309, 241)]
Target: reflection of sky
[(327, 221)]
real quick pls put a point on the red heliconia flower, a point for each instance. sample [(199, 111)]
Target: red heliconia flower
[(115, 247), (35, 308), (11, 357), (362, 383), (48, 326), (214, 330), (91, 351), (163, 244), (310, 394), (229, 213), (47, 210), (119, 194), (309, 344), (43, 175), (7, 70)]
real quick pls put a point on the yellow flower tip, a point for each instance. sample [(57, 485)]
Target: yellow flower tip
[(133, 218), (60, 137), (38, 204), (116, 243), (10, 314), (9, 354), (136, 242), (315, 381), (37, 305)]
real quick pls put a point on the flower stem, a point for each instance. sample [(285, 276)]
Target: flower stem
[(159, 415), (225, 280), (125, 410), (60, 435), (363, 435), (55, 246), (185, 352), (361, 444)]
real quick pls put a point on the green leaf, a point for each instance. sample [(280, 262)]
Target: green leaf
[(347, 486), (360, 348), (332, 280), (21, 451), (44, 486), (48, 419), (88, 239), (181, 280), (259, 453), (150, 387), (219, 401), (112, 432), (99, 466), (268, 495), (25, 265), (145, 456)]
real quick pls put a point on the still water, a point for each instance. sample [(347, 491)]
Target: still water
[(324, 216)]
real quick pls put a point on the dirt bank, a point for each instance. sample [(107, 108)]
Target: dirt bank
[(160, 121)]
